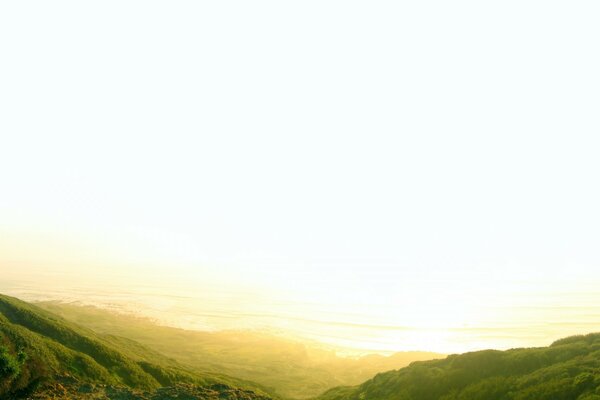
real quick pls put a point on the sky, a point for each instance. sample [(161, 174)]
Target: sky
[(428, 165)]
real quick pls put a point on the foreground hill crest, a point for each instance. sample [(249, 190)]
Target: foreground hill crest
[(43, 356)]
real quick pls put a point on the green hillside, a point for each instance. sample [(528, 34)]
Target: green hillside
[(288, 368), (44, 356), (569, 369)]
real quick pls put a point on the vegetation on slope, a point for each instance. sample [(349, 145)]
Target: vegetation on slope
[(569, 369), (290, 369), (39, 349)]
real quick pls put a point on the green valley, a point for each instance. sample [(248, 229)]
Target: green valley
[(64, 351), (289, 368)]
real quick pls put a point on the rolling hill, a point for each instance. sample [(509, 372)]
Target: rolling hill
[(291, 369), (569, 369), (44, 356)]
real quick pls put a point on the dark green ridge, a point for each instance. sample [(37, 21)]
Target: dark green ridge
[(569, 369)]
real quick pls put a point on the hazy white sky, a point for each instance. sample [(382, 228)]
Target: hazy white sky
[(335, 149)]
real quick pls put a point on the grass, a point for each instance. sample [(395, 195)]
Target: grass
[(36, 346)]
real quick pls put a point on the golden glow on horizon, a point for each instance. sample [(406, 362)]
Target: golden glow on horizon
[(389, 176)]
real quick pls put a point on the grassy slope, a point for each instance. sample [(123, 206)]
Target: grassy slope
[(37, 346), (569, 369), (291, 369)]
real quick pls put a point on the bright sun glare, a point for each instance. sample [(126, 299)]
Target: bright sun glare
[(388, 176)]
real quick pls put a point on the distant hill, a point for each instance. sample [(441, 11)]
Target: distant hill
[(43, 356), (289, 368), (569, 369)]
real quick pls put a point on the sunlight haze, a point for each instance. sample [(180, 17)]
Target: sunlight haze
[(403, 176)]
